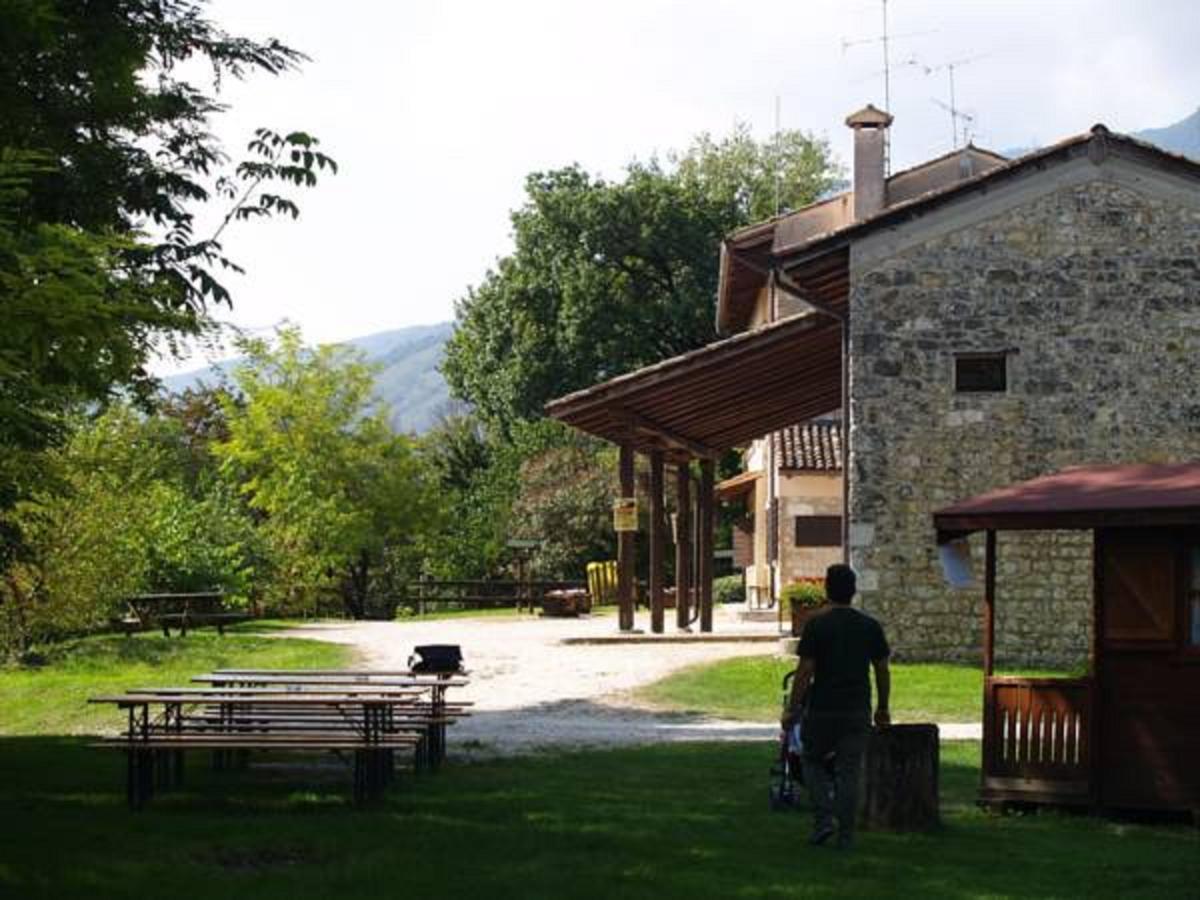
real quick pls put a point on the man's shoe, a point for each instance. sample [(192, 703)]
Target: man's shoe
[(821, 835)]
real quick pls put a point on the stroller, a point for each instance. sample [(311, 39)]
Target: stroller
[(787, 775)]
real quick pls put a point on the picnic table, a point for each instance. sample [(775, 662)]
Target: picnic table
[(180, 610), (436, 682), (294, 712)]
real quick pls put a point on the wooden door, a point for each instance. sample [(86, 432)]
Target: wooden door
[(1148, 695)]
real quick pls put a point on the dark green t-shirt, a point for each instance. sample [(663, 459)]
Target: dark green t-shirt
[(842, 643)]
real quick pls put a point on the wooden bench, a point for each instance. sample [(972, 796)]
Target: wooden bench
[(177, 610)]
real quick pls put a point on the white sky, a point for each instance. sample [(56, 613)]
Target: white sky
[(437, 111)]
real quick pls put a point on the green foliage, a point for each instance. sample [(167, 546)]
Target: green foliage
[(121, 516), (105, 141), (480, 478), (609, 276), (807, 592), (759, 180), (729, 589), (336, 490), (565, 501)]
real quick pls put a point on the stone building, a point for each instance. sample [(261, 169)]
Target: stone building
[(1002, 319), (974, 322)]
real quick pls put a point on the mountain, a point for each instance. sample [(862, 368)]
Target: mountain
[(408, 380), (1182, 137)]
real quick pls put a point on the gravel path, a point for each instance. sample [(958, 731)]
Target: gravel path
[(533, 692)]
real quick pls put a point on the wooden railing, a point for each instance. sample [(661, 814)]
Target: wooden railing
[(1037, 739)]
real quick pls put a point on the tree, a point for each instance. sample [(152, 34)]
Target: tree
[(609, 276), (564, 501), (105, 158), (335, 487), (121, 514)]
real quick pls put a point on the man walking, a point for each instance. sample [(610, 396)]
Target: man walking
[(836, 650)]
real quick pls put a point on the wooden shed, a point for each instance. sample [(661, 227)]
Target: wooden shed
[(1127, 734)]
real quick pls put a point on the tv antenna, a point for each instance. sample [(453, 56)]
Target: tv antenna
[(884, 40), (955, 113)]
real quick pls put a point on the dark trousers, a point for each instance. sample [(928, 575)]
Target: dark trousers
[(832, 768)]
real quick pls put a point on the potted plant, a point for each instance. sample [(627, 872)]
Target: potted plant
[(804, 598)]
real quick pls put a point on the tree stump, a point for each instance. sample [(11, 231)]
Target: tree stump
[(900, 783)]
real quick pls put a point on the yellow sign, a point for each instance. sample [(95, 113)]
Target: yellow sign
[(625, 514)]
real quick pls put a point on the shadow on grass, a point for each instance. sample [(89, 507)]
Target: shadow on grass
[(685, 820)]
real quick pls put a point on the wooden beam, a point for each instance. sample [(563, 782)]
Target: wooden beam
[(788, 286), (640, 423), (784, 281), (658, 558), (683, 547), (626, 545), (704, 569)]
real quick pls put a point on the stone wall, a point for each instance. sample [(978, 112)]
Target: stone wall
[(1093, 282)]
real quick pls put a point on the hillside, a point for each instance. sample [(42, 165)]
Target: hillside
[(408, 380), (1182, 137)]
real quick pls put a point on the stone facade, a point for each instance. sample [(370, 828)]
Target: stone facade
[(1089, 279)]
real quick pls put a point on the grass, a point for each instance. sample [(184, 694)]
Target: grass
[(52, 698), (748, 688), (664, 822)]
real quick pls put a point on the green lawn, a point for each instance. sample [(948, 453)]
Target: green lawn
[(52, 699), (748, 688), (665, 822)]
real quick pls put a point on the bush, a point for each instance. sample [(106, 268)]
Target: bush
[(807, 592), (729, 589)]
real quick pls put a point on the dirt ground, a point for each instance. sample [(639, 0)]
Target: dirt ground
[(531, 691)]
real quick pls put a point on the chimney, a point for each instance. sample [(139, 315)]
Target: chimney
[(870, 148)]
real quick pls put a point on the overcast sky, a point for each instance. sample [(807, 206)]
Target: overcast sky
[(437, 111)]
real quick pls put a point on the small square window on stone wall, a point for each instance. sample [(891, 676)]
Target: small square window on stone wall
[(981, 373)]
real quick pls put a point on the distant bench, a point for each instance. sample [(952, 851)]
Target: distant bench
[(177, 610)]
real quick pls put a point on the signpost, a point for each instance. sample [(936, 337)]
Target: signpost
[(625, 514)]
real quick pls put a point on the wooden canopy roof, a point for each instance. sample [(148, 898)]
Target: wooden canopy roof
[(1083, 497), (720, 396)]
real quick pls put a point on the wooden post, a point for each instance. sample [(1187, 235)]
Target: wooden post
[(683, 545), (657, 542), (989, 605), (704, 570), (989, 653), (626, 547)]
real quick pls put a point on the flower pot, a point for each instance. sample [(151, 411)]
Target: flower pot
[(801, 615)]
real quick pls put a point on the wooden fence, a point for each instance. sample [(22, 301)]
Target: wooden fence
[(428, 596)]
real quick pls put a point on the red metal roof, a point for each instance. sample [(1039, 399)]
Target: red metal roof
[(1085, 497)]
